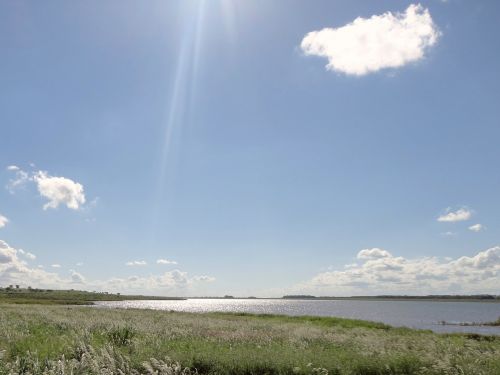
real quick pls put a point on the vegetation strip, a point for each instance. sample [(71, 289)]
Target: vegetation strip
[(495, 323), (16, 295)]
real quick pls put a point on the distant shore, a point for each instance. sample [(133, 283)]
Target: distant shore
[(13, 295)]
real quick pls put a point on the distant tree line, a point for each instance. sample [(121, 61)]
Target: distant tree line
[(298, 296), (432, 296)]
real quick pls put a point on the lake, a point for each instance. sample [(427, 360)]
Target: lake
[(414, 314)]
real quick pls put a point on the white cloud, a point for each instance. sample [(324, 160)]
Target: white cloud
[(55, 265), (76, 277), (476, 227), (204, 278), (390, 40), (13, 270), (19, 180), (136, 263), (59, 190), (30, 256), (79, 264), (7, 253), (27, 254), (462, 214), (165, 261), (374, 253), (449, 234), (3, 221), (479, 273), (175, 281)]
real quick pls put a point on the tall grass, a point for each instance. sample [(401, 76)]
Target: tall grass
[(83, 340)]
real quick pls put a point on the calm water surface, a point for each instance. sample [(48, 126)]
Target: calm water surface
[(414, 314)]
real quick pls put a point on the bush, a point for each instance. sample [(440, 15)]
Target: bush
[(121, 336)]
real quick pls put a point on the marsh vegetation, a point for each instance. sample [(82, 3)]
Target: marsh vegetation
[(14, 294), (39, 339)]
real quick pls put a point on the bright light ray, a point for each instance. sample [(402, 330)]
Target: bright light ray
[(197, 49), (180, 103), (229, 17), (183, 92)]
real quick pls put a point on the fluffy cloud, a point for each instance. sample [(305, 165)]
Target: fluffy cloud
[(379, 272), (59, 190), (7, 253), (204, 278), (3, 221), (476, 228), (374, 253), (461, 214), (175, 281), (165, 261), (14, 270), (381, 41), (136, 263), (55, 265), (76, 277)]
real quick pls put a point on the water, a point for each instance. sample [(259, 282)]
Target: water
[(414, 314)]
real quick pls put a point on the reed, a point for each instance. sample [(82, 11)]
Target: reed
[(42, 339)]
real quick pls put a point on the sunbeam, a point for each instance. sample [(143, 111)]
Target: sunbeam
[(228, 11), (181, 101)]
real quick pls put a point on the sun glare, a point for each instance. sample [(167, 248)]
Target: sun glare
[(183, 84)]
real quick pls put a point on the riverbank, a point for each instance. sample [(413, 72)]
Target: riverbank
[(11, 295), (87, 340)]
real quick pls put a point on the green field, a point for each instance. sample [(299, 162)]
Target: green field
[(38, 339), (64, 297)]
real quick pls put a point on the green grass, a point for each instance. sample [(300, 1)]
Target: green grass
[(41, 339), (64, 297)]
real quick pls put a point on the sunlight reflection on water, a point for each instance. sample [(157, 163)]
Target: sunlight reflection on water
[(415, 314)]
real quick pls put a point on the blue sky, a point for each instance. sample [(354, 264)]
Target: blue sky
[(216, 135)]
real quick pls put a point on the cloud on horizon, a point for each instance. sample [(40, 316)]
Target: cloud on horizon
[(27, 254), (165, 261), (367, 45), (380, 272), (77, 277), (173, 281), (14, 270), (136, 263)]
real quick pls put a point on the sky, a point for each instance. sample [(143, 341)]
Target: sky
[(251, 148)]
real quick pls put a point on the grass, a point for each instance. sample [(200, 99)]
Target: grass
[(42, 339), (64, 297), (495, 323)]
